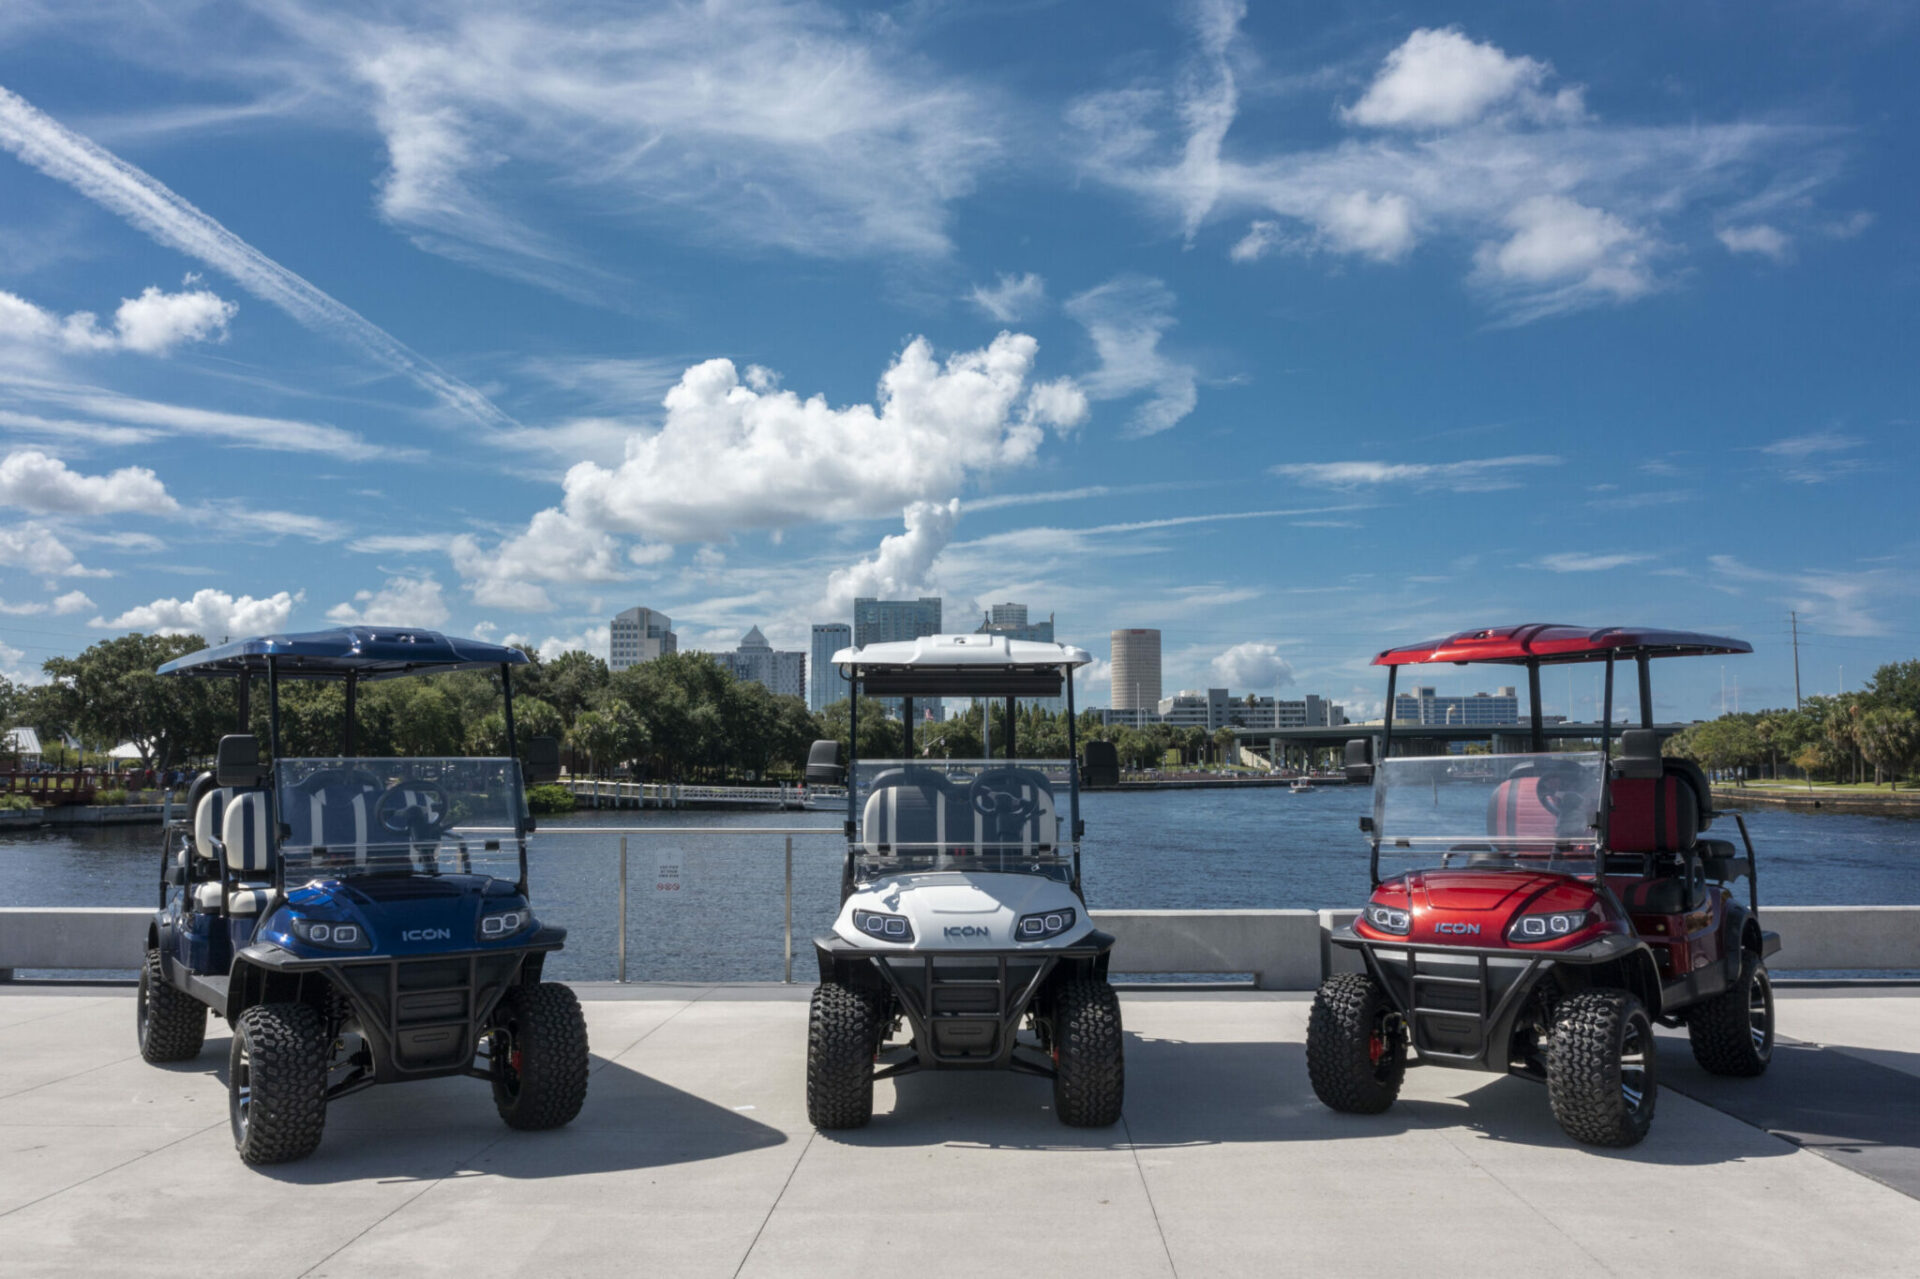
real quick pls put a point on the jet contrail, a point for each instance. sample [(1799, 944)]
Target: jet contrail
[(60, 153)]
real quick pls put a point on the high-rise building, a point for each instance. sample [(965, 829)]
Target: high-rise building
[(1136, 670), (640, 635), (824, 684), (882, 621), (1006, 617), (1216, 708), (1425, 706), (783, 672)]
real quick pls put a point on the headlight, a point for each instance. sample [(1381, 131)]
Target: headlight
[(1389, 919), (1561, 923), (885, 927), (337, 936), (504, 924), (1048, 923)]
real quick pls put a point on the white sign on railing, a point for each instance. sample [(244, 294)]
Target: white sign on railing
[(668, 884)]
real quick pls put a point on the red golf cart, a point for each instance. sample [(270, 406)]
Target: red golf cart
[(1550, 907)]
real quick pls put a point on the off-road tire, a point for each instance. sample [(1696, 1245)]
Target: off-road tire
[(1723, 1030), (540, 1079), (1348, 1072), (279, 1057), (842, 1034), (1089, 1056), (1592, 1031), (171, 1025)]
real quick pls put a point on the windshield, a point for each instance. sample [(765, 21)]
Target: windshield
[(1489, 809), (963, 814), (347, 817)]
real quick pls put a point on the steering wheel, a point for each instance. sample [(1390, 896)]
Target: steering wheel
[(415, 810), (988, 801)]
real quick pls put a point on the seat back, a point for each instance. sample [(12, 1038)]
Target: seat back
[(1038, 831), (1660, 805), (1515, 810), (907, 813), (209, 819), (244, 830)]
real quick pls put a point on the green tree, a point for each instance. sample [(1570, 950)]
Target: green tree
[(1889, 737), (111, 694), (1895, 686)]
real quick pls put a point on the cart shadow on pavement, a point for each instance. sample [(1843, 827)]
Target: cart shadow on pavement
[(438, 1128)]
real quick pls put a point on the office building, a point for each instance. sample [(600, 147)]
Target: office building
[(640, 635), (824, 684), (1215, 708), (884, 621), (1425, 706), (783, 673), (1136, 670)]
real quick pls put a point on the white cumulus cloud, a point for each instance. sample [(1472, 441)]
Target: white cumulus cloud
[(72, 602), (1252, 667), (35, 548), (33, 481), (402, 601), (902, 567), (1561, 252), (1441, 78), (597, 640), (730, 457), (211, 613), (1767, 241), (554, 548), (153, 323)]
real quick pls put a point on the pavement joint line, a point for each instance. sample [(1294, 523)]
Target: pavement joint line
[(1140, 1169), (609, 1060), (774, 1207), (48, 1083), (408, 1202), (145, 1154)]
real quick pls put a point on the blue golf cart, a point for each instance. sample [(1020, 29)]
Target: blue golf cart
[(357, 921)]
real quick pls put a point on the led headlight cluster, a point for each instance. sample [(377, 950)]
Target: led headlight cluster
[(1050, 923), (885, 927), (338, 936), (504, 924), (1560, 923), (1389, 919)]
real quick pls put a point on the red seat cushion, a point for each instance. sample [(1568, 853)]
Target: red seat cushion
[(1515, 810)]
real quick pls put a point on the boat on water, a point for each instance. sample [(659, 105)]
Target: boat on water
[(1300, 784)]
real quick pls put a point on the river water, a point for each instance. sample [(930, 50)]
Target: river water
[(1262, 847)]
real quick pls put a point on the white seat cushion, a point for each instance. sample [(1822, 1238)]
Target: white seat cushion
[(208, 896), (244, 831), (208, 821), (248, 898)]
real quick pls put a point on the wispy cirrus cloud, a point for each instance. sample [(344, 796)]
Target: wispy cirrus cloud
[(1126, 318), (1458, 143), (1587, 562), (1837, 601), (1473, 475), (40, 141), (1816, 457)]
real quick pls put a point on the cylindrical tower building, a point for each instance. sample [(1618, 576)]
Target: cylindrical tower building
[(1136, 670)]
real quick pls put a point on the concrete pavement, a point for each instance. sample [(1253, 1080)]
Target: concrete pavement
[(693, 1158)]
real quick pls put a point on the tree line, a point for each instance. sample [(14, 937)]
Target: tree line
[(1871, 734)]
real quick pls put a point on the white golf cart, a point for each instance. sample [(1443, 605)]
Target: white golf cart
[(960, 899)]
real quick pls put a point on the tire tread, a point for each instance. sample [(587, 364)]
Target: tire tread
[(842, 1031), (1090, 1069), (1339, 1027), (176, 1021), (289, 1051)]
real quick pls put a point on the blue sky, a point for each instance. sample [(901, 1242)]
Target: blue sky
[(1294, 337)]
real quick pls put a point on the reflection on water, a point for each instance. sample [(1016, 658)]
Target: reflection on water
[(1159, 849)]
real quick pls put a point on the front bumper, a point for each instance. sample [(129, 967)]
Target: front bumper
[(1461, 1003), (964, 1006)]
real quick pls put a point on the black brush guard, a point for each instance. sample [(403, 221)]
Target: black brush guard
[(965, 1011), (1460, 1020)]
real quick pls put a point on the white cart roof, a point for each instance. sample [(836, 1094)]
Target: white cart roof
[(971, 652)]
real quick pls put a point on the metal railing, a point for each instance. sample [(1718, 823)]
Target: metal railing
[(788, 832)]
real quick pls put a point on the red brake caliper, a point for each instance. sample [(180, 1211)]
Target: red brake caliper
[(513, 1059), (1376, 1048)]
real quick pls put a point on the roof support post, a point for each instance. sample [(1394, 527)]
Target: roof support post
[(346, 733), (1645, 663), (246, 708), (1386, 736), (1010, 702), (1538, 732), (853, 746)]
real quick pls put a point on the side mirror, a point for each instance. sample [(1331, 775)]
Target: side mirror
[(237, 762), (824, 765), (543, 760), (1359, 760)]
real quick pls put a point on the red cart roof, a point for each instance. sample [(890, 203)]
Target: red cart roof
[(1546, 642)]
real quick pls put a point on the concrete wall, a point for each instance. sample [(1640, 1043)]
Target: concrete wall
[(1283, 949)]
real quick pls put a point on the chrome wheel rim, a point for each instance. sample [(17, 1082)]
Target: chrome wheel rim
[(140, 1011), (1760, 1014), (242, 1090), (1635, 1070)]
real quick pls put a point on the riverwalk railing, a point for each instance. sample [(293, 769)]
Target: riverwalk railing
[(595, 792)]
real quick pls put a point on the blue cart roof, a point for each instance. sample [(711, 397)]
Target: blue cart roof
[(366, 652)]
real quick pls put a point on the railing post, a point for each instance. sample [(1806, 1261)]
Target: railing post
[(623, 908), (789, 976)]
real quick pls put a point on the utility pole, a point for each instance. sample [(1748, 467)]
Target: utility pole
[(1794, 617)]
